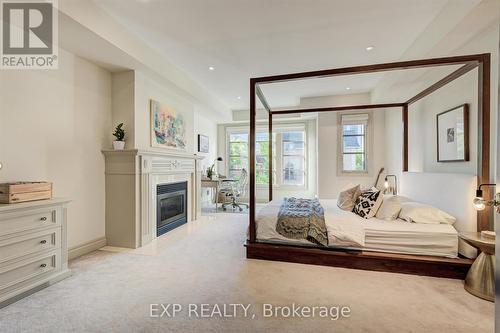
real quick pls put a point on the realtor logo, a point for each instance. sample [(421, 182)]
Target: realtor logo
[(29, 30)]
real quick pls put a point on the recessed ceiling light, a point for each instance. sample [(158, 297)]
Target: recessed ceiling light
[(348, 88), (211, 68), (239, 97), (369, 48)]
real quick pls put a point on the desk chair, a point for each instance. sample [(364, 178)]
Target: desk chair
[(234, 191)]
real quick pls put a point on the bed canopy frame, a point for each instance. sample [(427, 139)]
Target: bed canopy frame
[(412, 264)]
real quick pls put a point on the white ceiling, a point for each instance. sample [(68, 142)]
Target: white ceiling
[(288, 93), (244, 39)]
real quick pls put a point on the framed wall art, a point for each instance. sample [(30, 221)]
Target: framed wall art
[(453, 134), (168, 129), (203, 143)]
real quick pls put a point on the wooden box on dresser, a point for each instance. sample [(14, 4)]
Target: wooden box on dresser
[(33, 247)]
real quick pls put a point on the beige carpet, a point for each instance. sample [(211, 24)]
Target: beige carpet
[(205, 263)]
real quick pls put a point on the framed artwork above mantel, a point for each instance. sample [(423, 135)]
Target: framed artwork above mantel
[(168, 128), (452, 128)]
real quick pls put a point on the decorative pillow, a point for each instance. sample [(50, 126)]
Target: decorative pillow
[(390, 207), (347, 198), (368, 203), (420, 213)]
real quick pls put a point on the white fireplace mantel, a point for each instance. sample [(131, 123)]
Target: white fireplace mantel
[(131, 180)]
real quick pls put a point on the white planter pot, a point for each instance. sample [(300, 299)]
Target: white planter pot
[(118, 145)]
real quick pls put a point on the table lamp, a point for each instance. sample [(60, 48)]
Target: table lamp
[(480, 203), (394, 189)]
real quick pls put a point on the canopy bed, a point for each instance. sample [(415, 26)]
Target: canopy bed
[(380, 245)]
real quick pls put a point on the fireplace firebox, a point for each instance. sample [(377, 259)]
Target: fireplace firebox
[(171, 211)]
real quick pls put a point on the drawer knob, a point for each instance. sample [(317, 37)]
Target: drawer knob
[(43, 265), (43, 219), (43, 241)]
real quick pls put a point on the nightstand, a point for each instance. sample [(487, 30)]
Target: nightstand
[(480, 280)]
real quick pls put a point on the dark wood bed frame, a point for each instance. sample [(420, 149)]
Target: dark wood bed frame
[(378, 261)]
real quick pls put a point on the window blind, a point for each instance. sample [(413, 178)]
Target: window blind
[(349, 119)]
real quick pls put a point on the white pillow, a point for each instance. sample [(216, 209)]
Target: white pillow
[(420, 213), (390, 208), (347, 198)]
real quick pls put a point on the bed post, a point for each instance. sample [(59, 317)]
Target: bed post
[(252, 163), (405, 137), (484, 217), (270, 196)]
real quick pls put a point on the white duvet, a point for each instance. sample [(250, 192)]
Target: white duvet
[(343, 228), (347, 230)]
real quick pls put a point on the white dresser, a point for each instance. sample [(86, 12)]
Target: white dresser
[(33, 247)]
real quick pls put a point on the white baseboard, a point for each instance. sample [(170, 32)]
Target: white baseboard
[(80, 250)]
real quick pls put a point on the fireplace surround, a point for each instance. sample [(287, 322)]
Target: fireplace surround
[(132, 180)]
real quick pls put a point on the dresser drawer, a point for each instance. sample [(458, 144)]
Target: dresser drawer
[(26, 244), (29, 270), (13, 222)]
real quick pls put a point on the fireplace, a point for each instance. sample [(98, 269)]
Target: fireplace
[(171, 206)]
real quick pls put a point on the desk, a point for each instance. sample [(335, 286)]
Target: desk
[(215, 185), (480, 280)]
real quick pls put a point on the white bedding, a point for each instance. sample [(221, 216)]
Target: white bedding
[(347, 230)]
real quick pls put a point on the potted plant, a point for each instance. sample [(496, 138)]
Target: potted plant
[(211, 169), (119, 134)]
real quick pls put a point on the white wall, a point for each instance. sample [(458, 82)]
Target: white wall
[(132, 93), (123, 101), (331, 181), (422, 148), (53, 125), (335, 100), (206, 126), (147, 88), (422, 126), (393, 142)]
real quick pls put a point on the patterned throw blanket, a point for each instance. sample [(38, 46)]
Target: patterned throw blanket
[(302, 219)]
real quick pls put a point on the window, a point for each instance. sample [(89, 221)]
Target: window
[(353, 142), (288, 155), (238, 154), (293, 158), (262, 158)]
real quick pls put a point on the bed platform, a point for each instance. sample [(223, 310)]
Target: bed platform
[(437, 266), (366, 260)]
